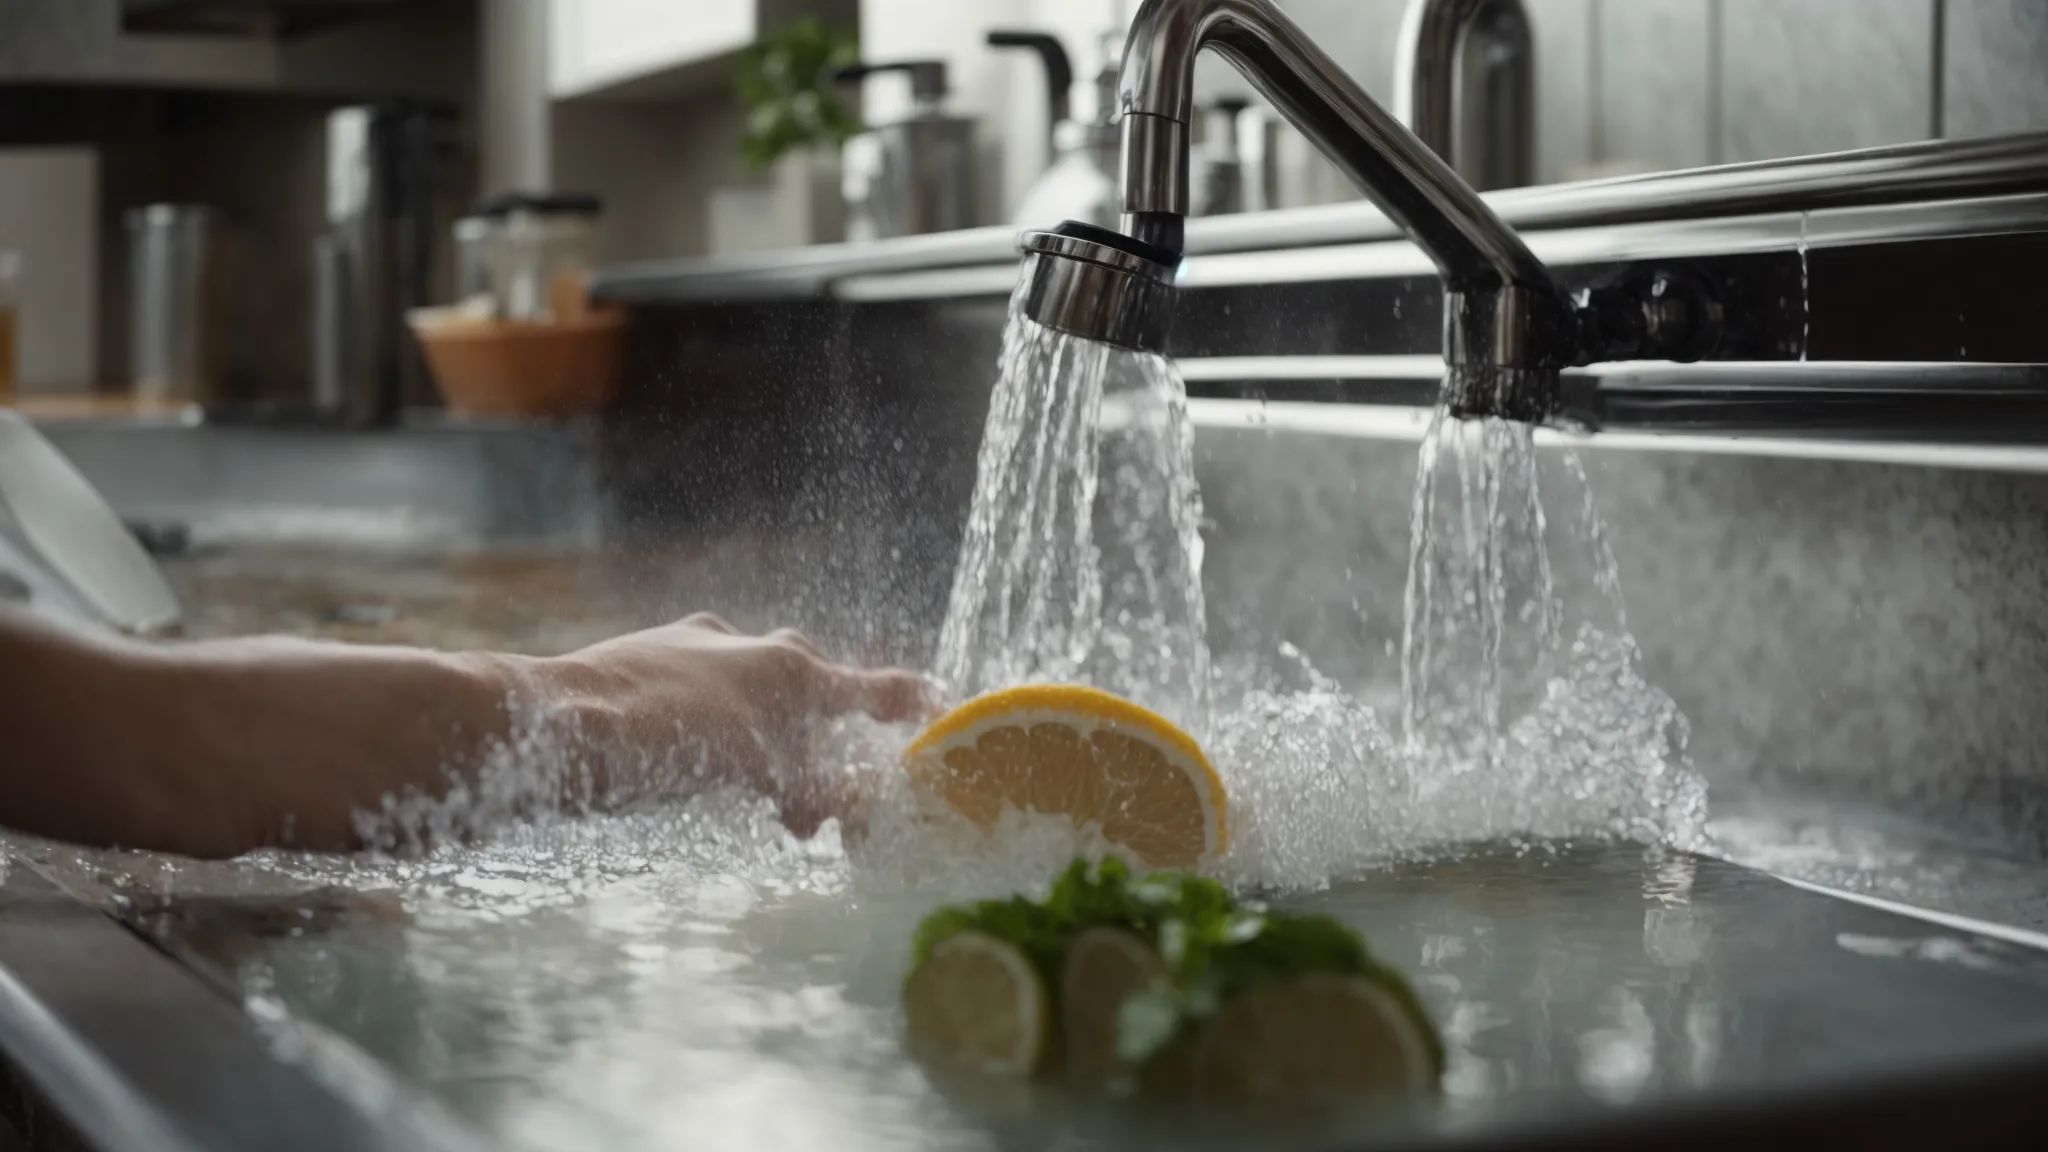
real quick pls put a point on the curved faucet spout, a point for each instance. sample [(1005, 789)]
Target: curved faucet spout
[(1502, 310), (1415, 187)]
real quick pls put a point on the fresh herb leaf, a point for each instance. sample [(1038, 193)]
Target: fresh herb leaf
[(937, 927), (784, 82)]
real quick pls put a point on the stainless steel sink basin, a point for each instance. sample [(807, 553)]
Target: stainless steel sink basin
[(1639, 984), (484, 997)]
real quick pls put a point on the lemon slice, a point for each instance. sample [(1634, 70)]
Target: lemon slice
[(1104, 968), (1317, 1035), (977, 1001), (1084, 754)]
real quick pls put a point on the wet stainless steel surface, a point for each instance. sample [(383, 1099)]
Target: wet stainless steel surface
[(123, 1048), (1569, 981), (535, 602), (437, 483), (528, 992)]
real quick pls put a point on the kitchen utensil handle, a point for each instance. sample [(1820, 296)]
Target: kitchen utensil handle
[(1059, 71), (927, 77)]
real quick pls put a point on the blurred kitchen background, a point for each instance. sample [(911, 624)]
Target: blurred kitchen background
[(223, 113)]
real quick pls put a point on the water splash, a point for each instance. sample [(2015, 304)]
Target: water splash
[(1523, 712), (620, 975)]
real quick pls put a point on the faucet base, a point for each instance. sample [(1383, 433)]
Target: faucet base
[(1513, 326), (1503, 351), (1523, 395)]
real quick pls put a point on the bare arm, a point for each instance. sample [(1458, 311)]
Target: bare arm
[(215, 749)]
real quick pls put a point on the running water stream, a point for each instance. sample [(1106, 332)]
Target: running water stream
[(1082, 558)]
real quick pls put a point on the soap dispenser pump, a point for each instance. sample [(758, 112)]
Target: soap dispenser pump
[(1081, 182), (915, 175)]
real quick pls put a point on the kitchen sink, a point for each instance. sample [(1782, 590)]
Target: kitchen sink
[(1845, 601)]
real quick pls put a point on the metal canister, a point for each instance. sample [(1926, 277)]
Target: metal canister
[(377, 259), (915, 175), (175, 295)]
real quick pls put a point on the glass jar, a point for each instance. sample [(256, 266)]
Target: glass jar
[(10, 324), (474, 236), (540, 253)]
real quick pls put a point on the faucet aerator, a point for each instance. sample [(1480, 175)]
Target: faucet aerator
[(1100, 285)]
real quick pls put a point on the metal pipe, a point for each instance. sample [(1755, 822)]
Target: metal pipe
[(1967, 403), (1464, 83)]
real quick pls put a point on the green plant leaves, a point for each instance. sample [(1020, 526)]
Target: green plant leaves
[(783, 80)]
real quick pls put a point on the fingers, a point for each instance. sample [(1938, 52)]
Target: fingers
[(791, 638), (787, 637), (890, 695), (710, 622)]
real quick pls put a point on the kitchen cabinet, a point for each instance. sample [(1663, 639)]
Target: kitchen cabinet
[(250, 17), (417, 49), (595, 46), (642, 49)]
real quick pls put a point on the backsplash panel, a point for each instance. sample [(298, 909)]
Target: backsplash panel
[(1996, 78), (1653, 80), (1814, 619), (1563, 30), (1645, 85), (1798, 78)]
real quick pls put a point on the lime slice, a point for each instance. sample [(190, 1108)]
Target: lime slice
[(1317, 1035), (1105, 967), (978, 1002)]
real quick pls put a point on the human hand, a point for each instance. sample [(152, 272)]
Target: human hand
[(697, 703)]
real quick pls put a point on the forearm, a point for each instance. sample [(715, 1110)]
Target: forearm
[(221, 748), (217, 749)]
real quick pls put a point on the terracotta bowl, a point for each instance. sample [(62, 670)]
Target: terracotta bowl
[(523, 368)]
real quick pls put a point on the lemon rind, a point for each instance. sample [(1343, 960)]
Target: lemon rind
[(1087, 710)]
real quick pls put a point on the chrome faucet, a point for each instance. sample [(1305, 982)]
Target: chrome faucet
[(1508, 328), (1465, 84)]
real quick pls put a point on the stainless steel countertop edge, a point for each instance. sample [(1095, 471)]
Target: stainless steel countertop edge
[(104, 1109), (1407, 423), (1744, 235), (135, 1049)]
